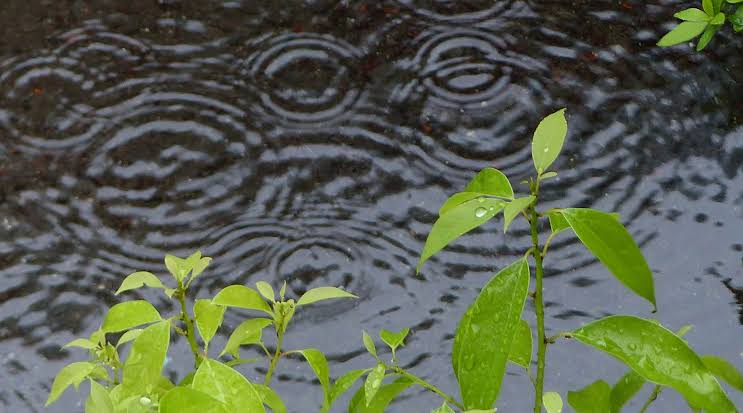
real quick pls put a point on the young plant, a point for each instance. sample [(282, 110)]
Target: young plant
[(136, 385), (704, 22)]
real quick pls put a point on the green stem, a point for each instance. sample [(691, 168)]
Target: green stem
[(274, 359), (538, 304), (426, 385), (651, 399), (190, 334)]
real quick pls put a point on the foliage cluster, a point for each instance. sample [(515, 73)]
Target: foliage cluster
[(705, 22)]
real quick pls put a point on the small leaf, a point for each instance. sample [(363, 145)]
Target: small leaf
[(709, 7), (724, 370), (98, 400), (706, 37), (228, 386), (129, 336), (594, 398), (128, 315), (266, 290), (369, 344), (373, 382), (657, 355), (143, 367), (82, 343), (682, 33), (178, 267), (718, 20), (394, 340), (282, 292), (521, 347), (319, 364), (187, 400), (692, 15), (71, 375), (485, 334), (383, 397), (513, 209), (248, 332), (270, 398), (139, 279), (323, 293), (552, 402), (624, 390), (548, 175), (241, 297), (208, 319), (344, 383), (491, 181), (548, 140), (457, 222), (444, 408), (558, 223)]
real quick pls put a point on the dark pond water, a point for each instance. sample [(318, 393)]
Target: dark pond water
[(313, 142)]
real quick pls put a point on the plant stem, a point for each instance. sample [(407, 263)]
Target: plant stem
[(426, 385), (651, 399), (538, 304), (190, 334), (274, 359)]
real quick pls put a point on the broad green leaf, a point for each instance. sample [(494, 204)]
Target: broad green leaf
[(266, 290), (82, 343), (130, 335), (706, 37), (248, 332), (594, 398), (513, 209), (241, 297), (98, 400), (143, 367), (709, 7), (394, 340), (197, 264), (270, 398), (552, 402), (492, 182), (659, 356), (718, 20), (140, 279), (521, 347), (682, 33), (610, 242), (318, 363), (558, 223), (373, 382), (128, 315), (323, 293), (228, 386), (724, 370), (382, 398), (71, 375), (369, 344), (188, 400), (548, 140), (208, 319), (485, 334), (458, 199), (344, 383), (178, 267), (692, 15), (444, 408), (457, 222), (625, 389)]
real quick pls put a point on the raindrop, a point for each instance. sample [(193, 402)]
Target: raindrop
[(480, 212)]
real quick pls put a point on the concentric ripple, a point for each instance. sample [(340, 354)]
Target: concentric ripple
[(458, 10)]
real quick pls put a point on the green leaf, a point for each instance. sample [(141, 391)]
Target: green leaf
[(71, 375), (187, 400), (241, 297), (548, 175), (737, 19), (610, 242), (139, 279), (128, 315), (208, 319), (98, 400), (724, 370), (197, 264), (548, 140), (521, 347), (369, 344), (682, 33), (718, 20), (485, 334), (492, 182), (706, 37), (692, 15), (457, 222), (129, 336), (624, 390), (143, 367), (444, 408), (513, 209), (594, 398), (282, 292), (318, 363), (248, 332), (270, 398), (658, 355), (558, 223), (178, 267), (228, 386), (373, 382), (394, 340), (382, 398), (344, 383), (709, 7), (82, 343), (458, 199), (323, 293), (266, 290), (553, 402)]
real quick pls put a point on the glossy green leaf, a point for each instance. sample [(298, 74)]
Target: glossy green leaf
[(624, 390), (373, 382), (178, 267), (724, 370), (98, 400), (558, 223), (270, 398), (658, 355), (552, 402), (444, 408), (594, 398), (128, 315), (369, 344), (682, 33), (228, 386), (130, 335), (458, 199), (266, 290), (323, 293), (692, 15), (382, 398), (81, 343), (240, 296), (208, 317), (318, 363), (143, 367), (140, 279), (71, 375), (521, 347), (706, 37), (610, 242), (485, 334), (548, 140), (248, 332), (344, 383), (187, 400), (513, 209), (492, 182), (394, 340), (457, 222)]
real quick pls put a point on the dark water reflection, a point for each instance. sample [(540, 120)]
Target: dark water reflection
[(313, 141)]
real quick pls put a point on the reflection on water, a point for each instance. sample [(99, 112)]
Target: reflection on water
[(313, 142)]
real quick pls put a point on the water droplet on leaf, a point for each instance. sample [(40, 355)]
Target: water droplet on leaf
[(480, 212)]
